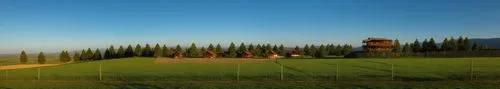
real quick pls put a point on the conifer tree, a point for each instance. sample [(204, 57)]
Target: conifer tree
[(64, 57), (332, 50), (107, 54), (339, 50), (432, 45), (232, 50), (76, 57), (138, 50), (320, 53), (219, 49), (312, 50), (23, 58), (346, 49), (193, 51), (445, 45), (158, 51), (89, 55), (203, 49), (83, 56), (397, 46), (257, 51), (461, 44), (120, 53), (281, 51), (453, 44), (475, 47), (306, 50), (425, 46), (211, 47), (41, 58), (250, 47), (407, 48), (178, 48), (129, 52), (111, 54), (166, 52), (466, 44), (97, 55), (275, 48), (147, 51), (416, 46)]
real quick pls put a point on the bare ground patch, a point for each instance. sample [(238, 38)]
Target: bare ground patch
[(23, 66), (208, 60)]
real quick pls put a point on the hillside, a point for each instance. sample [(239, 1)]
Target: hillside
[(491, 42)]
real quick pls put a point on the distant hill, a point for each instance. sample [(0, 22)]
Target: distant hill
[(491, 42)]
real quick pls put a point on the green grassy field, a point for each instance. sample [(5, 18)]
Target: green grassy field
[(447, 72)]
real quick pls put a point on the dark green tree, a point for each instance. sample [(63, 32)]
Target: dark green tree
[(158, 51), (166, 52), (64, 57), (111, 54), (466, 44), (346, 49), (23, 57), (339, 50), (107, 54), (232, 51), (461, 44), (83, 56), (147, 51), (138, 50), (275, 48), (321, 52), (453, 44), (332, 50), (281, 50), (193, 51), (306, 50), (211, 47), (475, 47), (445, 45), (219, 50), (76, 57), (425, 46), (257, 51), (97, 55), (312, 50), (129, 52), (416, 46), (432, 45), (407, 48), (41, 58), (241, 49), (120, 53), (397, 46), (251, 47), (178, 48), (89, 55)]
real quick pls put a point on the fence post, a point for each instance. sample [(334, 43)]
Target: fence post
[(337, 73), (472, 69), (238, 74), (38, 78), (100, 71), (392, 72), (282, 77)]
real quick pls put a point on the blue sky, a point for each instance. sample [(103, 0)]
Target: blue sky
[(54, 25)]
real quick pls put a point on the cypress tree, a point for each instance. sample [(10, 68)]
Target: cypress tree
[(281, 51), (306, 50), (120, 53), (97, 55), (312, 50), (397, 46), (138, 50), (41, 58), (453, 44), (407, 48), (232, 50), (416, 46), (111, 54), (166, 52), (76, 57), (211, 47), (23, 58), (129, 52), (89, 55), (107, 54), (147, 51), (320, 53), (158, 51)]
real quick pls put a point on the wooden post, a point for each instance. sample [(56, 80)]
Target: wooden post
[(337, 73), (238, 74), (472, 69), (100, 71), (281, 72), (392, 72), (38, 78)]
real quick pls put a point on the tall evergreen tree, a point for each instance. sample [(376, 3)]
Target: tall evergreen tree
[(41, 58), (281, 50), (219, 49), (346, 49), (275, 48), (416, 46), (466, 45), (193, 51), (107, 54), (425, 46), (211, 47), (232, 50), (97, 55), (76, 57), (453, 44), (475, 47), (129, 52), (89, 54), (166, 52), (178, 48), (23, 57), (251, 47), (83, 56), (445, 45), (138, 50), (332, 50), (257, 51), (339, 50), (407, 48), (120, 53), (312, 50), (241, 49), (64, 57), (111, 54), (432, 45), (320, 53), (158, 51), (397, 46), (461, 44), (147, 51), (306, 50)]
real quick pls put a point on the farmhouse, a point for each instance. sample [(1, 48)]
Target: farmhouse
[(377, 45), (247, 54), (210, 54), (295, 53), (178, 54), (271, 54)]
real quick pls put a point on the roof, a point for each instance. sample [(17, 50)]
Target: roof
[(271, 52), (210, 52), (247, 52), (374, 38)]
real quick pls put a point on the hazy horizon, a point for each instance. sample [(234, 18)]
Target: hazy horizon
[(54, 25)]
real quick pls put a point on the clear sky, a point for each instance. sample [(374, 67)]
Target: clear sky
[(52, 25)]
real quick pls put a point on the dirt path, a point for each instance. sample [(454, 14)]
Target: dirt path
[(23, 66)]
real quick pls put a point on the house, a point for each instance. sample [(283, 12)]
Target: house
[(247, 54), (295, 53), (210, 54), (178, 54), (271, 54), (377, 45)]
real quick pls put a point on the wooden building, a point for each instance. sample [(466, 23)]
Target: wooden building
[(271, 54), (178, 54), (377, 45), (210, 54), (247, 54), (295, 53)]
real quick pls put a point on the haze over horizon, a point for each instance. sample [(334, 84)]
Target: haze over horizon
[(53, 25)]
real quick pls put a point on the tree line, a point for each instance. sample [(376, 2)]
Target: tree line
[(232, 51), (429, 45)]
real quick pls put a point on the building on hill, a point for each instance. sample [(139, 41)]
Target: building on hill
[(377, 45), (247, 54), (178, 54), (271, 54), (295, 53), (210, 54)]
